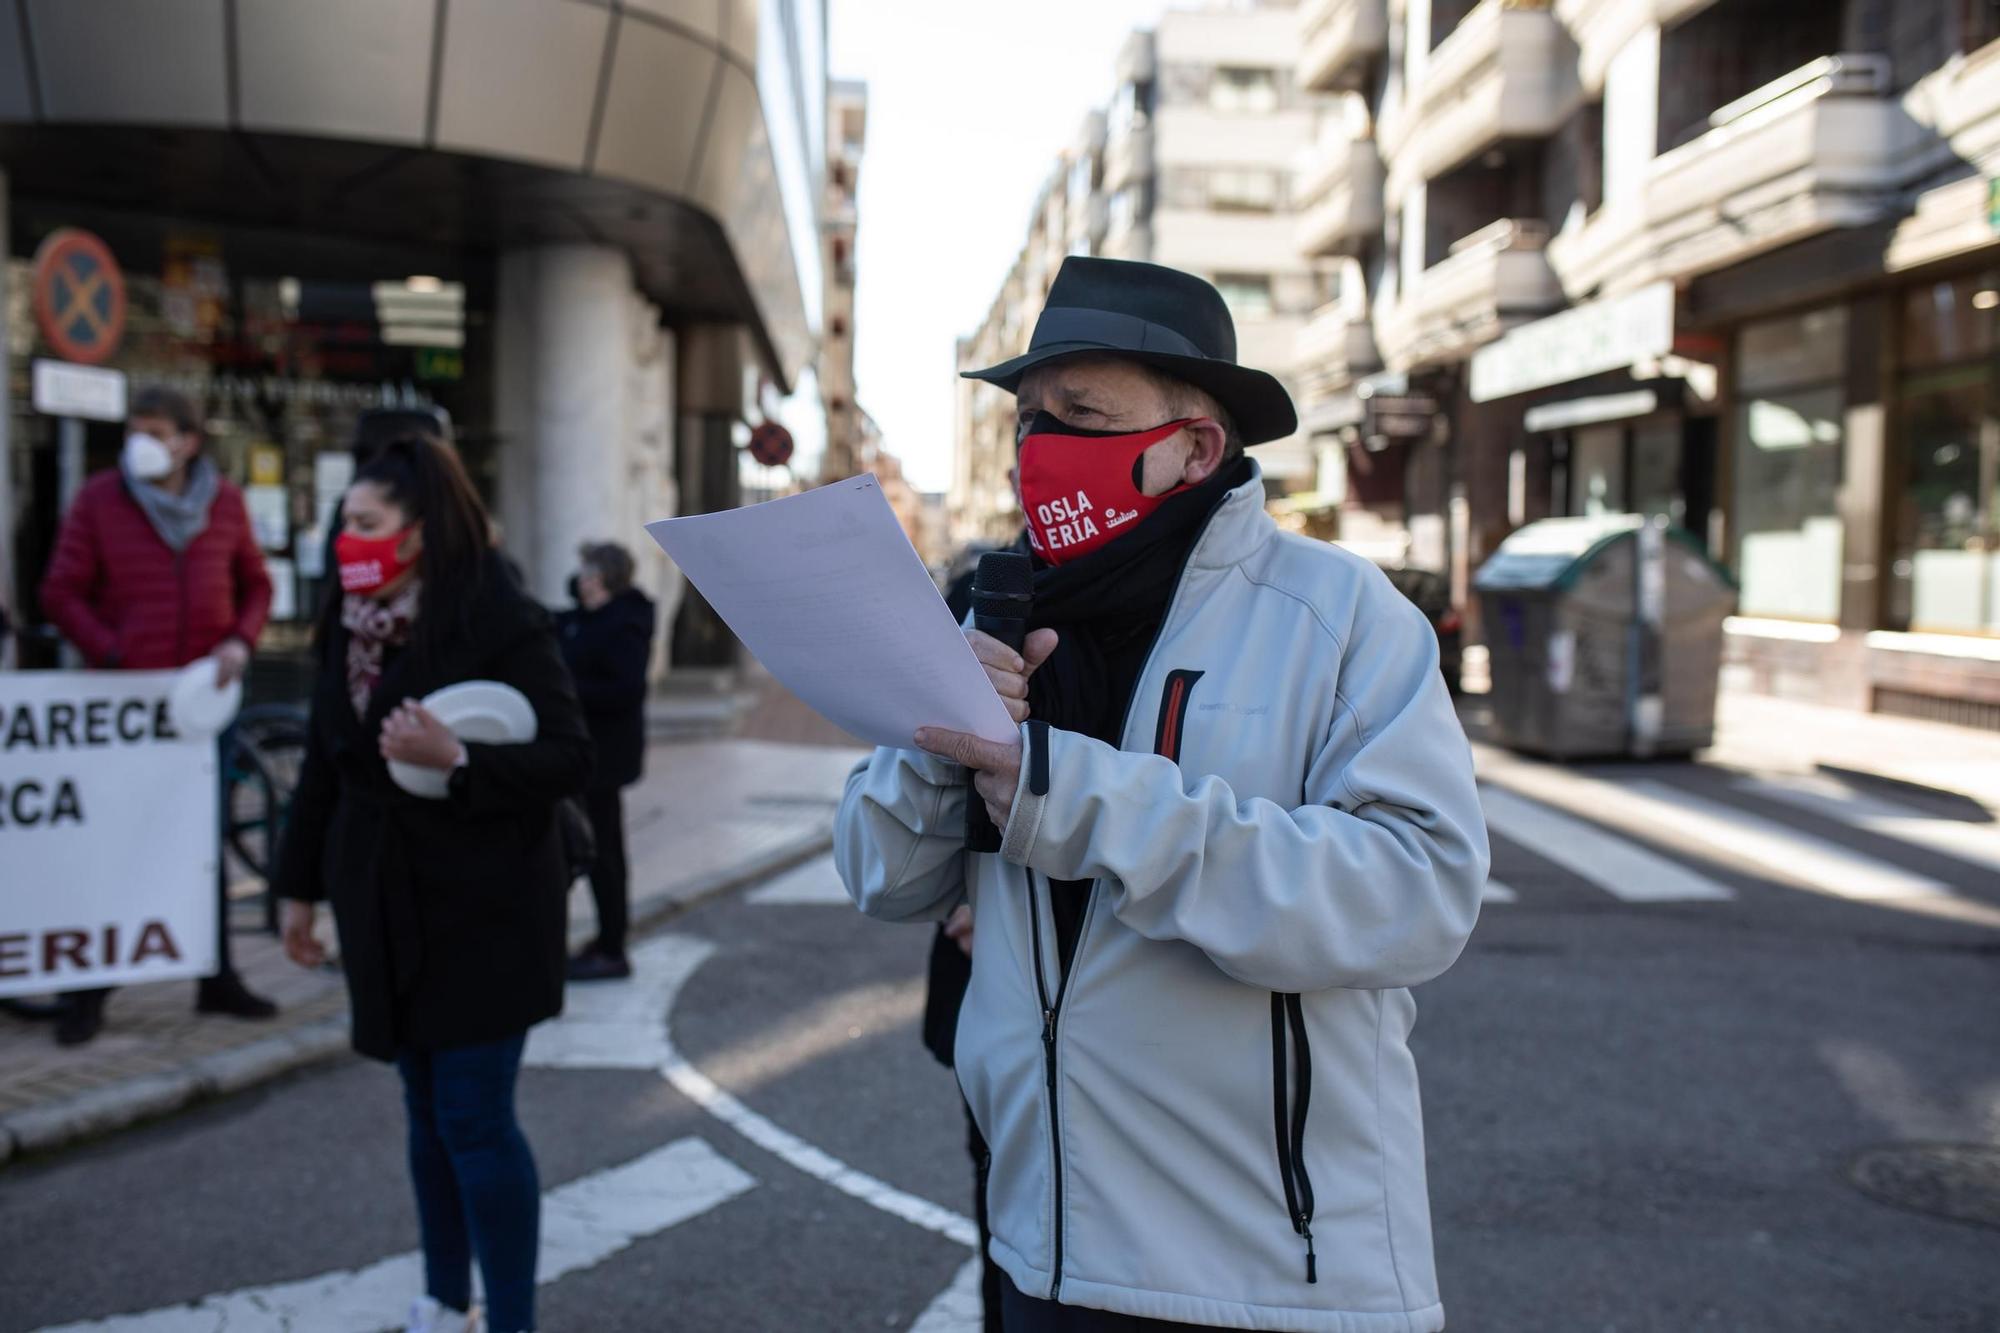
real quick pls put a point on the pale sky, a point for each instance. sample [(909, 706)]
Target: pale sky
[(969, 101)]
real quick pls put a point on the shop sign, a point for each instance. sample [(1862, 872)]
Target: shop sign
[(1401, 417), (440, 363), (1586, 340), (90, 392), (79, 296)]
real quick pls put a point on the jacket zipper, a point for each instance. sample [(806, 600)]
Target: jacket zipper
[(181, 621), (1288, 1018), (1052, 1009), (1049, 1009)]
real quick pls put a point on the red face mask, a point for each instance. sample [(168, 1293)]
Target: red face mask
[(1081, 487), (370, 563)]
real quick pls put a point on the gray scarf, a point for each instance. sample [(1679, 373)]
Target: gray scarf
[(179, 519)]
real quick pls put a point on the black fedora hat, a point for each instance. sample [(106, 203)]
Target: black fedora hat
[(1160, 317)]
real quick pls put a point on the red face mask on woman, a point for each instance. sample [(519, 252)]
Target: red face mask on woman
[(1081, 487), (368, 564)]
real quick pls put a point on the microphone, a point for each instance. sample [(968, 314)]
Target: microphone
[(1003, 593)]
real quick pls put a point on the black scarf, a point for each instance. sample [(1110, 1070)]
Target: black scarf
[(1106, 609)]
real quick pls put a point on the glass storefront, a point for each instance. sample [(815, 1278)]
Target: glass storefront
[(1788, 458), (1946, 558), (282, 341)]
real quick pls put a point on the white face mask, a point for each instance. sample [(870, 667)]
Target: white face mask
[(146, 458)]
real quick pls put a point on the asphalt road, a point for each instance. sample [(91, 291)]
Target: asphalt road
[(1642, 1114)]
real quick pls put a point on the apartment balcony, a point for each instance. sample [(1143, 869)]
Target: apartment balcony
[(1338, 39), (1492, 280), (1602, 27), (1138, 59), (1339, 191), (1128, 158), (1335, 348), (1506, 72), (1824, 147)]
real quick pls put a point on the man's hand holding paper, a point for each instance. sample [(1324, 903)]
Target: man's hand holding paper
[(826, 591)]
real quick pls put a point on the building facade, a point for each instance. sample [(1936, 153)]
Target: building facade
[(847, 132), (1728, 261), (1191, 166), (590, 233)]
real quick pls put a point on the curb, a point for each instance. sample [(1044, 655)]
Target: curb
[(128, 1102), (118, 1105)]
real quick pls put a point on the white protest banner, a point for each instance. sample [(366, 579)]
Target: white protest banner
[(108, 833)]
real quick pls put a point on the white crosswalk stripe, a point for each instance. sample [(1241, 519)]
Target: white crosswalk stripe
[(1619, 866), (584, 1223), (1975, 844), (1823, 866)]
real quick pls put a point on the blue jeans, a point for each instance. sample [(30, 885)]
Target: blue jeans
[(477, 1192)]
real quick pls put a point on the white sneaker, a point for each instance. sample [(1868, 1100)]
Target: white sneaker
[(428, 1316)]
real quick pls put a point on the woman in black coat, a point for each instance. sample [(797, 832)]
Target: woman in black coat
[(607, 642), (451, 912)]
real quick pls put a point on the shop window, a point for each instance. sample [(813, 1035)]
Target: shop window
[(1597, 463), (1789, 440), (1946, 572)]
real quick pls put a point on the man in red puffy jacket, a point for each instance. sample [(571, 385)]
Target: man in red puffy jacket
[(156, 567)]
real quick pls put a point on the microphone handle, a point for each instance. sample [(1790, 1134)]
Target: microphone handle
[(981, 834)]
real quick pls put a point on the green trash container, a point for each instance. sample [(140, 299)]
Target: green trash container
[(1604, 636)]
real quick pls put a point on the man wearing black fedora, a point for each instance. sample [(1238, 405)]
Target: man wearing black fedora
[(1238, 823)]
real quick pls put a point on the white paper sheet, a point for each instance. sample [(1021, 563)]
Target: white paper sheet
[(826, 591)]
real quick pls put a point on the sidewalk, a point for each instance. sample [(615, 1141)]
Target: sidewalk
[(711, 815), (1784, 735)]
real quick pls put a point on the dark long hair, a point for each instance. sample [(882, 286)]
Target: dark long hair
[(426, 479)]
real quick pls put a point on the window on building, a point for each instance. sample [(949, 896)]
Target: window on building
[(1788, 448), (1123, 211), (1945, 575), (1245, 190), (1253, 91), (1248, 295), (1129, 109)]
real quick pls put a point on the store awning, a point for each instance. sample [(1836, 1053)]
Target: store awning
[(1591, 411)]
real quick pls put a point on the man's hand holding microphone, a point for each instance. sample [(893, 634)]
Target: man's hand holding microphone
[(996, 769), (1002, 594)]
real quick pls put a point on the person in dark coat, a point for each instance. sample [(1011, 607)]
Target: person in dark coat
[(451, 912), (155, 567), (608, 641)]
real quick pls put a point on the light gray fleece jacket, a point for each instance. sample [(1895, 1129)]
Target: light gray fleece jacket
[(1214, 1117)]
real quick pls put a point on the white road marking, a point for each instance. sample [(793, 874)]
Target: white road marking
[(814, 884), (629, 1023), (1976, 844), (957, 1308), (1496, 892), (623, 1025), (1615, 864), (698, 1088), (584, 1223), (1796, 857)]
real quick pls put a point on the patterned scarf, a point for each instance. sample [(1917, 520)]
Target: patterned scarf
[(373, 627)]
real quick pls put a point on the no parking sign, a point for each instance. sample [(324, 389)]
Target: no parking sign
[(79, 296)]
